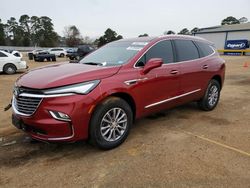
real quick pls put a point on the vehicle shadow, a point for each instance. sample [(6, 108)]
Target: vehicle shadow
[(22, 149), (17, 73)]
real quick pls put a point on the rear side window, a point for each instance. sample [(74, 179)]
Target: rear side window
[(2, 55), (205, 49), (186, 50), (162, 50)]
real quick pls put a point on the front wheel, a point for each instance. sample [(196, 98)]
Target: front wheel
[(110, 123), (211, 97)]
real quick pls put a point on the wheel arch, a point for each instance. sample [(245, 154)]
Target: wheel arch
[(129, 99), (218, 78), (123, 95), (9, 64)]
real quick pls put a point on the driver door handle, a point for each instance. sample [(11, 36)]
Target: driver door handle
[(205, 66), (173, 71)]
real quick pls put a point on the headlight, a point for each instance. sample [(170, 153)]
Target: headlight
[(82, 88)]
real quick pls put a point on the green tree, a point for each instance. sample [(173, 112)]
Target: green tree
[(230, 20), (169, 32), (48, 37), (243, 20), (24, 22), (108, 36), (184, 31), (2, 34), (35, 28), (14, 31), (72, 36), (194, 30), (144, 35)]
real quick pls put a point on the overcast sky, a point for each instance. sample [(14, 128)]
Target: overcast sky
[(129, 18)]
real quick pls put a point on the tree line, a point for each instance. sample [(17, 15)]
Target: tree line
[(39, 31), (28, 31), (230, 20)]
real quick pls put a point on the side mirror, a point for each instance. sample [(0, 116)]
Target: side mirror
[(152, 64)]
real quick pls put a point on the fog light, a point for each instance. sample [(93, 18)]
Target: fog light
[(60, 116)]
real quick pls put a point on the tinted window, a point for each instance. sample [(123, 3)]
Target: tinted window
[(205, 49), (160, 50), (2, 55), (186, 50)]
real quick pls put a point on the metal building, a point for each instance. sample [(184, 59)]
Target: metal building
[(220, 35)]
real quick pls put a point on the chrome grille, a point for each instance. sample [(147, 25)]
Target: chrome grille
[(26, 105)]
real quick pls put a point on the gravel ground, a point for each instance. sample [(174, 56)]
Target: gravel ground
[(182, 147)]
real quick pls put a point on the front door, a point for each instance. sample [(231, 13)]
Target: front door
[(157, 89)]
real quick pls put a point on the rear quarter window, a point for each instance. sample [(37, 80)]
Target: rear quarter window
[(204, 48), (2, 55), (186, 50)]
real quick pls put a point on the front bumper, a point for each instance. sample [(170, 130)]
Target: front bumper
[(42, 126)]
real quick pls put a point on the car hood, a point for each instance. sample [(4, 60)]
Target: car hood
[(64, 74)]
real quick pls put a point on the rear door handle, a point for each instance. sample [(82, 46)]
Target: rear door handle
[(205, 66), (173, 72)]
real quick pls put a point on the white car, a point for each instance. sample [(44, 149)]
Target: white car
[(9, 63), (59, 52)]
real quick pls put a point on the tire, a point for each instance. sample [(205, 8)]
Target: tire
[(62, 55), (53, 58), (41, 59), (211, 97), (9, 69), (48, 59), (71, 58), (107, 132)]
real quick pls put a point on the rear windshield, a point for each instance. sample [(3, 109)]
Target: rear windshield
[(115, 53)]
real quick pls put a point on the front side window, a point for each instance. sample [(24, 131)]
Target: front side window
[(115, 53), (186, 50), (162, 50)]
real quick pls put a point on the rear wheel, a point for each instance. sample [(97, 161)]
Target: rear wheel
[(62, 55), (9, 69), (211, 97), (110, 123)]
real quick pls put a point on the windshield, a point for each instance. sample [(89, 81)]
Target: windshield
[(115, 53)]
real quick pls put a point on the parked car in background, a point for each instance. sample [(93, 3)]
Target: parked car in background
[(71, 50), (9, 63), (100, 97), (44, 55), (59, 52), (6, 50), (32, 53), (80, 52)]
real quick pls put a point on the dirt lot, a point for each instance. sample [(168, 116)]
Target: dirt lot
[(183, 147)]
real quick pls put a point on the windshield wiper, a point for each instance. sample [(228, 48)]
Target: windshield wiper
[(93, 63)]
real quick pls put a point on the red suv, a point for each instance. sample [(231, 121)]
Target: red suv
[(99, 98)]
